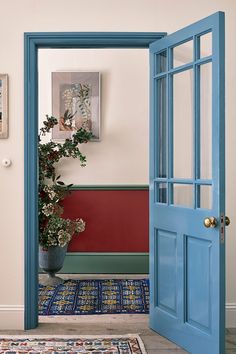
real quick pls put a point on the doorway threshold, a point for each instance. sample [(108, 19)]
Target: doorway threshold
[(97, 276)]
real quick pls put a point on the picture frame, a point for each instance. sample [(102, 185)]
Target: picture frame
[(4, 106), (75, 103)]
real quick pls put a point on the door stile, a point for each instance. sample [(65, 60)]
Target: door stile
[(152, 168), (169, 128), (219, 43), (196, 117)]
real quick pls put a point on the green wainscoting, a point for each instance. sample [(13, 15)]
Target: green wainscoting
[(108, 263), (126, 263)]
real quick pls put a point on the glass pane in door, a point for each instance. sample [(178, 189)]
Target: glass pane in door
[(183, 195), (161, 62), (183, 124), (205, 196), (206, 121), (161, 192), (206, 45), (161, 127), (183, 54)]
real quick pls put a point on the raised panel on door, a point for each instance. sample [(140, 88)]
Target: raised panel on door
[(166, 258), (198, 255)]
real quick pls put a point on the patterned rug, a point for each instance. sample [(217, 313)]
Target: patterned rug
[(101, 296), (127, 344)]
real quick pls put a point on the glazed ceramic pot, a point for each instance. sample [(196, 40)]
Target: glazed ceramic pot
[(51, 261)]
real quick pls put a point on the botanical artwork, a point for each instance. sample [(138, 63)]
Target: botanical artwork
[(0, 105), (3, 105), (75, 97)]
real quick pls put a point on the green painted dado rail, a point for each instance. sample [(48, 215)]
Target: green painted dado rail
[(110, 187)]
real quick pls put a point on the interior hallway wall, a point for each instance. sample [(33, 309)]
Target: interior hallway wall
[(124, 113), (103, 15)]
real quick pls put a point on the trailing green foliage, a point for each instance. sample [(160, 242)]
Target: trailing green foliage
[(53, 228)]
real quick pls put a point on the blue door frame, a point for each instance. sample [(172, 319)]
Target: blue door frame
[(32, 42)]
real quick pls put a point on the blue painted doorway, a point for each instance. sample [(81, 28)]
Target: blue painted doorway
[(33, 42)]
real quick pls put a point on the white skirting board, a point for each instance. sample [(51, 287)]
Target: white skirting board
[(12, 316)]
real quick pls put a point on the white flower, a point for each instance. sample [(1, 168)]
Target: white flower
[(80, 225), (50, 191), (52, 241), (63, 238), (48, 209)]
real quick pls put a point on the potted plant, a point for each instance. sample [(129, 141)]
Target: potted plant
[(55, 232)]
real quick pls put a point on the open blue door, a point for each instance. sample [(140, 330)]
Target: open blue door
[(187, 206)]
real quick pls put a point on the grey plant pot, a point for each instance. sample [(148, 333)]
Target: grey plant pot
[(51, 261)]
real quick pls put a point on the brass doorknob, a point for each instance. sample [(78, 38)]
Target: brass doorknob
[(210, 222), (227, 221)]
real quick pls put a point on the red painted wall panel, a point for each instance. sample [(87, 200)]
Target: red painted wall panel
[(116, 220)]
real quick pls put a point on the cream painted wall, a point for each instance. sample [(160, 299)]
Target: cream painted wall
[(102, 15), (124, 113)]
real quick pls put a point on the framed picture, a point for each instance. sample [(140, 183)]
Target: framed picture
[(76, 103), (3, 106)]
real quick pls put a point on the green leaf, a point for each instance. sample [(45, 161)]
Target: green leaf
[(60, 183)]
